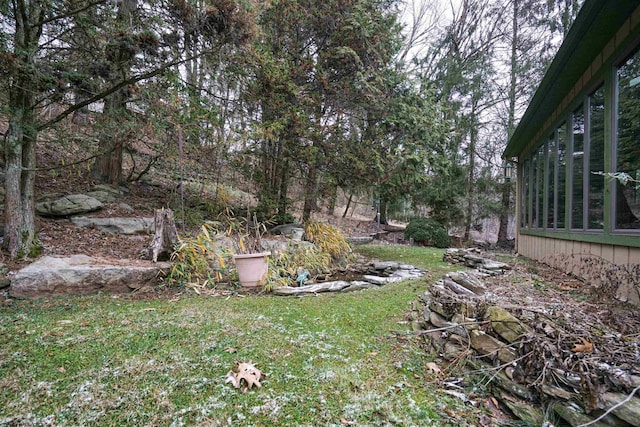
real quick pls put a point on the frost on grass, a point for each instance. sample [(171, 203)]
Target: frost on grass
[(124, 390), (28, 420), (377, 407), (199, 413), (326, 375)]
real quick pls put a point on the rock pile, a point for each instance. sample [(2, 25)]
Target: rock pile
[(377, 274), (553, 356), (471, 258)]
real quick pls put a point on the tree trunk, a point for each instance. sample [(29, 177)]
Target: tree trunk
[(473, 134), (12, 184), (273, 179), (310, 192), (108, 166), (506, 189), (333, 198), (504, 214), (283, 202), (20, 176), (20, 140), (383, 212), (165, 238)]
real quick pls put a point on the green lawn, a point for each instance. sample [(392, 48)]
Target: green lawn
[(330, 360)]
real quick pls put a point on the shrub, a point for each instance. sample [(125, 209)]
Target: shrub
[(427, 231), (198, 260), (327, 238), (284, 265)]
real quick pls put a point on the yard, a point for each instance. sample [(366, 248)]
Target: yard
[(340, 359)]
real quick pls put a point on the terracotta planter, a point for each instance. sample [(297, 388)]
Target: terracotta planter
[(251, 268)]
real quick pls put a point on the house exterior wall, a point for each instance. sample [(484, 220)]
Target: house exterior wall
[(609, 269), (606, 258)]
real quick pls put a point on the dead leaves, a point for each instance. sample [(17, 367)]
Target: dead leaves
[(247, 374), (585, 347), (433, 368)]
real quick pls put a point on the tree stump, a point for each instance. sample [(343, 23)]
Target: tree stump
[(166, 236)]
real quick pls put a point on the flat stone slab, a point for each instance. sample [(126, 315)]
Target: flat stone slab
[(494, 265), (408, 274), (359, 240), (83, 275), (358, 286), (383, 265), (312, 289), (116, 225), (377, 280), (469, 281), (105, 193)]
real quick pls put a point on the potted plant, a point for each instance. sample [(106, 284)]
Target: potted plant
[(249, 255)]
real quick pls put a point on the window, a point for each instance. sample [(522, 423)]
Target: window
[(554, 167), (595, 202), (539, 188), (533, 204), (525, 202), (543, 187), (577, 169), (551, 173), (562, 174), (562, 179), (627, 147)]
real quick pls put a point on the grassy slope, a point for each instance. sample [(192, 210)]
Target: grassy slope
[(330, 360)]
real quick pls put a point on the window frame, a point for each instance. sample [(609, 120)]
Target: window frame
[(571, 143), (587, 150), (584, 103), (613, 139)]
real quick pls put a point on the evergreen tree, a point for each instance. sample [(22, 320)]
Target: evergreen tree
[(53, 50)]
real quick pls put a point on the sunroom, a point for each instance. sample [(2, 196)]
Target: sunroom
[(577, 148)]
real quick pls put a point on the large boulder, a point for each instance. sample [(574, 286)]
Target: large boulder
[(117, 225), (285, 229), (83, 275), (105, 193), (72, 204), (103, 196)]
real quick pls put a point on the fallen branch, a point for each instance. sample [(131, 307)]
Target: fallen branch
[(444, 328), (613, 408)]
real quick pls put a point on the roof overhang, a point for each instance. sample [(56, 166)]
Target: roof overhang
[(596, 24)]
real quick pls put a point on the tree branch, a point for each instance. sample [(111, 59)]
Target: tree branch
[(68, 14), (77, 162), (613, 408), (100, 96)]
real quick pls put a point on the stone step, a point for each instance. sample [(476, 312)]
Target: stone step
[(84, 275)]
